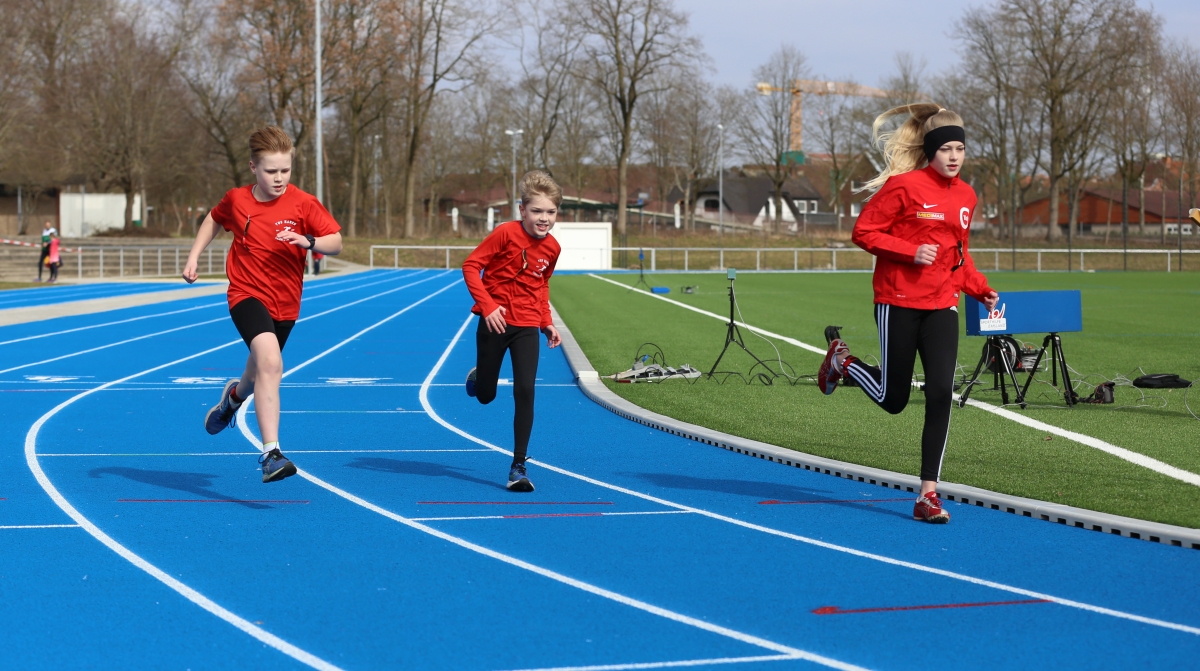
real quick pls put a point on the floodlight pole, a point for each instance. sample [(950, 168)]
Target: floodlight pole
[(516, 213), (721, 182), (320, 102)]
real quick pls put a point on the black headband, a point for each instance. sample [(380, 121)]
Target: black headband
[(937, 137)]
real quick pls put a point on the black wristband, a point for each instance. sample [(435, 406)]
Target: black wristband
[(312, 242)]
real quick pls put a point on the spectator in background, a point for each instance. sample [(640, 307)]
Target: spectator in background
[(48, 233), (53, 261)]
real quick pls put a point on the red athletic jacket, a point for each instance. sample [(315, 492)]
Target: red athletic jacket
[(921, 207), (516, 271)]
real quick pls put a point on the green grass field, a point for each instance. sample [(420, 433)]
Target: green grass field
[(1147, 320)]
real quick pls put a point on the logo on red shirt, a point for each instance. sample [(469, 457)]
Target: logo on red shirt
[(964, 217)]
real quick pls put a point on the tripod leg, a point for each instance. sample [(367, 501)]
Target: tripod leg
[(962, 398), (1009, 368), (1068, 391), (1036, 363)]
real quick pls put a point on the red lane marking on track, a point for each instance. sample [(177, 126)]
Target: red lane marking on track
[(834, 610), (773, 502), (515, 503), (206, 501), (521, 517)]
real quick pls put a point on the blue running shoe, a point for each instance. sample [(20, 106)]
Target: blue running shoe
[(276, 466), (223, 414), (471, 383), (517, 480)]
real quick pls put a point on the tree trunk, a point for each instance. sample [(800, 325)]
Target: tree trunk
[(1053, 233), (1142, 204), (410, 190), (355, 151), (128, 209), (622, 190)]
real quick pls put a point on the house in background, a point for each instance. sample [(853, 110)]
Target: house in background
[(1100, 212), (751, 201), (74, 214)]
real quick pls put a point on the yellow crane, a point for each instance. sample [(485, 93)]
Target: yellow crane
[(818, 88)]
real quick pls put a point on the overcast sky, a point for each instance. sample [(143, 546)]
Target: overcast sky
[(855, 39)]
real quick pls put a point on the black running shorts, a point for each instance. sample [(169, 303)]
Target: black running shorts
[(251, 319)]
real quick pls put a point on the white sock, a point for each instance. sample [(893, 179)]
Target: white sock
[(267, 447)]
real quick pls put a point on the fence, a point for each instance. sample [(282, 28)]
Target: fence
[(825, 258), (119, 262)]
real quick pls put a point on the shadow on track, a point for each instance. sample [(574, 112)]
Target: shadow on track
[(199, 484), (422, 468)]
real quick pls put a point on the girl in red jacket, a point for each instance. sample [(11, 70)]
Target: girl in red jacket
[(274, 226), (917, 226), (508, 275)]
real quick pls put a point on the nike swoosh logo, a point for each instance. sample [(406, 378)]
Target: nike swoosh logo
[(928, 206)]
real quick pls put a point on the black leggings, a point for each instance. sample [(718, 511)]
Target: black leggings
[(522, 342), (42, 260), (903, 333)]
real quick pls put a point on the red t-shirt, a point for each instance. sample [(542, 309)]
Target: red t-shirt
[(920, 207), (259, 266), (516, 271)]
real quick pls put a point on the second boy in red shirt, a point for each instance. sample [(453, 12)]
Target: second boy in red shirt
[(508, 275)]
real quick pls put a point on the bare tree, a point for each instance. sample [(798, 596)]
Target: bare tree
[(766, 130), (1180, 85), (574, 153), (834, 127), (1074, 50), (630, 45), (442, 38), (548, 61)]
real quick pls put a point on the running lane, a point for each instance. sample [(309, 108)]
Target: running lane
[(23, 298), (404, 549)]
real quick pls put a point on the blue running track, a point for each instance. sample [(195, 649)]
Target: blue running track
[(130, 538)]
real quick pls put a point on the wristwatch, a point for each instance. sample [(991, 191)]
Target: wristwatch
[(312, 242)]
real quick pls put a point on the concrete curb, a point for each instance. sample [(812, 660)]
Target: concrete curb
[(591, 385)]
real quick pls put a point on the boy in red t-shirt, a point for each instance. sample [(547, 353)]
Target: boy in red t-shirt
[(274, 226), (508, 275)]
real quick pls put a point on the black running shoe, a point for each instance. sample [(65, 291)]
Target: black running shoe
[(471, 383), (517, 480), (276, 466)]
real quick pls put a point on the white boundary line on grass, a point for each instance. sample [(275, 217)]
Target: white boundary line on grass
[(796, 537), (1132, 457), (31, 460), (488, 552)]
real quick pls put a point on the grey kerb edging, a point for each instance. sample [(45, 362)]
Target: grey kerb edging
[(591, 385)]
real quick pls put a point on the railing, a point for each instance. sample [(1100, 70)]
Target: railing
[(825, 258), (141, 261)]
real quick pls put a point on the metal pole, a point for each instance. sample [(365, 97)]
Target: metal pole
[(516, 213), (80, 262), (101, 262), (721, 184), (320, 103), (121, 261)]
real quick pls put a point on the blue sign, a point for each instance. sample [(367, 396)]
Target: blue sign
[(1027, 312)]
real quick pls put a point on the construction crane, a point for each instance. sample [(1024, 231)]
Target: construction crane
[(819, 88)]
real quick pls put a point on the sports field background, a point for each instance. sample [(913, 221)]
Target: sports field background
[(1131, 320)]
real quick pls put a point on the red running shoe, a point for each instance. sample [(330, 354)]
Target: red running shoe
[(929, 509), (829, 373)]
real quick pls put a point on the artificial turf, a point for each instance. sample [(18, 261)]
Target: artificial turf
[(1149, 321)]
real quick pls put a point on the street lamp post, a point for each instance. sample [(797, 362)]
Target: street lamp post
[(514, 134), (320, 140)]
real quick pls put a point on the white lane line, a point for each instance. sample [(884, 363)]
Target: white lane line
[(672, 665), (165, 314), (114, 323), (211, 321), (31, 459), (487, 552), (393, 277), (242, 454), (1120, 452), (784, 534), (540, 515), (40, 526), (115, 344)]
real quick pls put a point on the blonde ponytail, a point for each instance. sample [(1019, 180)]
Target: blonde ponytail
[(904, 149)]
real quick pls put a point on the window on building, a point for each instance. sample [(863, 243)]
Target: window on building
[(812, 207), (990, 211), (801, 206), (855, 209), (711, 205)]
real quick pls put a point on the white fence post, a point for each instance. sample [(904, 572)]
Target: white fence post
[(758, 259), (1039, 258), (396, 258), (101, 263), (835, 256), (80, 264), (160, 261), (141, 270), (685, 259), (721, 260), (121, 260), (210, 260), (796, 259)]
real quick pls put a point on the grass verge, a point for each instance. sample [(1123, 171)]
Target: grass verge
[(1131, 320)]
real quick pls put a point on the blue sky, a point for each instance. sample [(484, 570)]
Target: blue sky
[(857, 39)]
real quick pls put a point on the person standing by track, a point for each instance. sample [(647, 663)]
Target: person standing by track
[(274, 226), (54, 260), (48, 233), (508, 275), (917, 225)]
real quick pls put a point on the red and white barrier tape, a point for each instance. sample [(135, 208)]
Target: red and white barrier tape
[(6, 241)]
